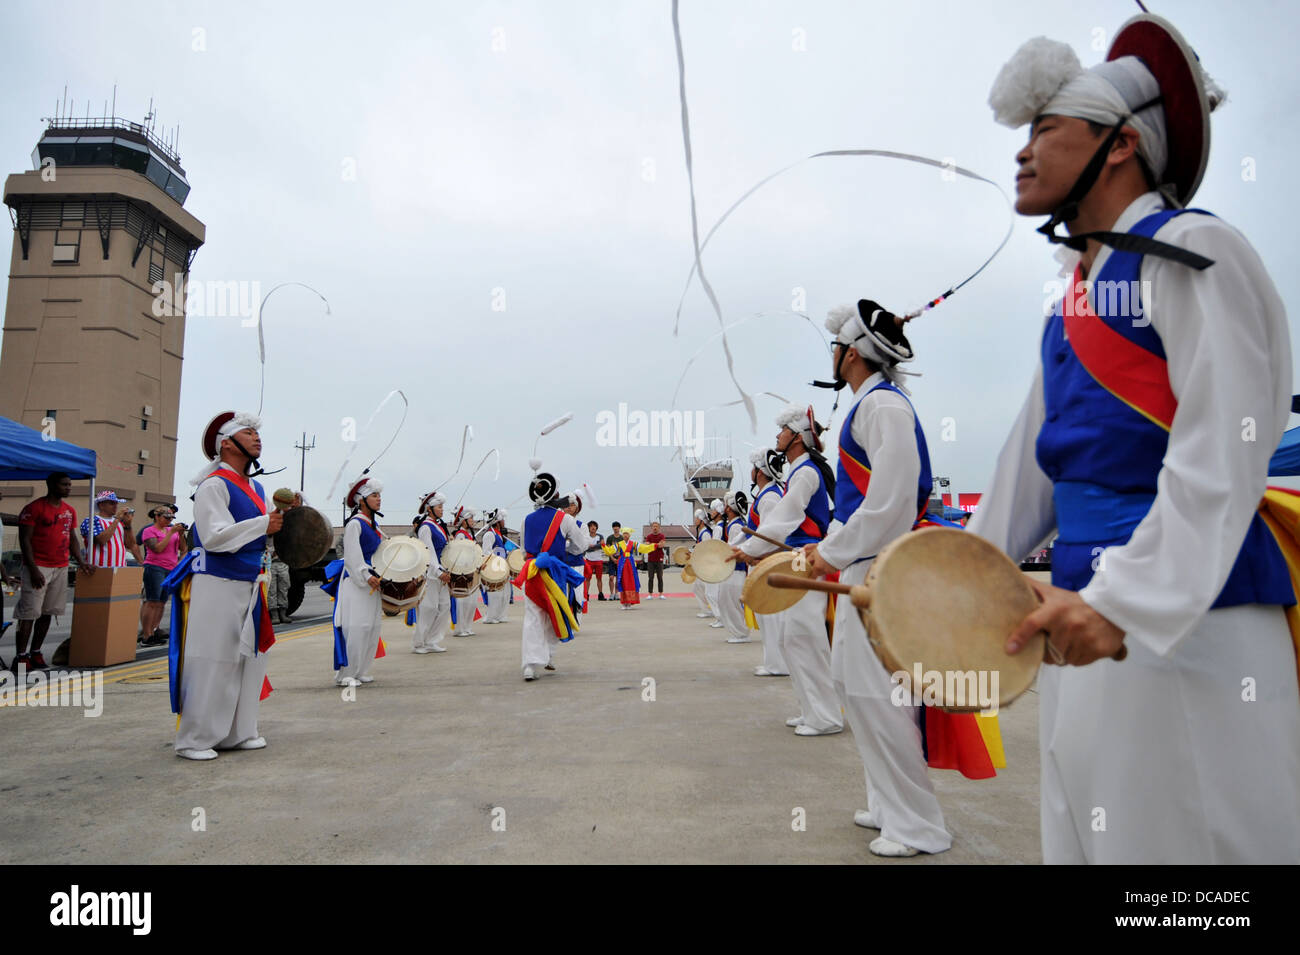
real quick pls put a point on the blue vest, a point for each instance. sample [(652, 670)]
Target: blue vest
[(740, 564), (536, 525), (848, 496), (754, 516), (817, 515), (370, 539), (1104, 458), (245, 563), (439, 537)]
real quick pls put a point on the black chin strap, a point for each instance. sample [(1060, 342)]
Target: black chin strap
[(838, 384), (256, 469), (1068, 211)]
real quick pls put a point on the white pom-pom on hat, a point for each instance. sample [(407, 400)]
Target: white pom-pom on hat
[(1028, 81)]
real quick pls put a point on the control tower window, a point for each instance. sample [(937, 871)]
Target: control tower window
[(67, 246)]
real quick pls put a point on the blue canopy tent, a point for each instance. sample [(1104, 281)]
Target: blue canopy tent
[(27, 455)]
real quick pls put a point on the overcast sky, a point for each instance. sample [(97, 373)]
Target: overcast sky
[(420, 164)]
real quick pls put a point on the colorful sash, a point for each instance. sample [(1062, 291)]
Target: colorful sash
[(538, 580)]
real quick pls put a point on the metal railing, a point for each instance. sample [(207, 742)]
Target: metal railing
[(113, 123)]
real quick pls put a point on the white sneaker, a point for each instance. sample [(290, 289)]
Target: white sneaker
[(347, 681), (794, 721), (423, 650), (803, 729), (257, 742), (716, 625), (881, 846), (366, 679), (197, 753), (436, 649), (662, 597), (764, 671), (739, 640), (865, 819), (703, 615), (529, 674), (461, 634)]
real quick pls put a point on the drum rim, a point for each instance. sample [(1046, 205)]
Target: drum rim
[(403, 543), (765, 567), (710, 543)]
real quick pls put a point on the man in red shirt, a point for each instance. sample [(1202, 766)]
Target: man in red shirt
[(654, 562), (45, 536)]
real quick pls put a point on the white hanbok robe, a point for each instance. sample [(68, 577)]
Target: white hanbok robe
[(358, 611), (1187, 752), (465, 606), (539, 641), (770, 624), (699, 588), (888, 735), (730, 610), (498, 601), (221, 679), (434, 616), (803, 627)]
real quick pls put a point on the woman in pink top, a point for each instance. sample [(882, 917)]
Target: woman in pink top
[(164, 542)]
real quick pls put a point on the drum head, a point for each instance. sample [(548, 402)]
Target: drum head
[(681, 554), (305, 537), (515, 560), (712, 561), (760, 596), (688, 574), (947, 600), (461, 557), (495, 572), (401, 559)]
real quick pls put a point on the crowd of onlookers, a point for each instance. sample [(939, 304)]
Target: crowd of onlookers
[(48, 542)]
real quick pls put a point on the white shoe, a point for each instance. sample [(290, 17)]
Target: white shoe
[(460, 634), (366, 679), (423, 650), (865, 819), (347, 681), (530, 674), (197, 753), (716, 625), (257, 742), (803, 729), (436, 649), (764, 671), (662, 597), (794, 721), (881, 846), (469, 633), (703, 615), (739, 640)]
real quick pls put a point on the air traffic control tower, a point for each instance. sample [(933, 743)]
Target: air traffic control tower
[(97, 221)]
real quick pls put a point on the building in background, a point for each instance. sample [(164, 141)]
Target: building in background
[(91, 353)]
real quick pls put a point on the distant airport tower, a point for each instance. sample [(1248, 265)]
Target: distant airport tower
[(88, 354)]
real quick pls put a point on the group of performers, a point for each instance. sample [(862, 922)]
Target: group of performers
[(1129, 446)]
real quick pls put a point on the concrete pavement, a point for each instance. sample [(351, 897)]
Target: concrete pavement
[(453, 758)]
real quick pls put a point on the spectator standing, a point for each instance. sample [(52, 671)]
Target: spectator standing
[(46, 538), (113, 535), (611, 566), (594, 565), (654, 562), (7, 581), (164, 543)]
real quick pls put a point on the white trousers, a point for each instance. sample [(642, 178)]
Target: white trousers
[(221, 677), (498, 605), (711, 595), (433, 617), (358, 612), (730, 610), (770, 626), (539, 640), (803, 642), (465, 607), (701, 597), (888, 736), (1191, 759)]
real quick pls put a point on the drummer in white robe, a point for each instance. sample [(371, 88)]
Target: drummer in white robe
[(493, 543), (358, 611), (801, 517), (1188, 751), (222, 673), (730, 608), (881, 488), (434, 616), (716, 531), (765, 472), (465, 606), (702, 532)]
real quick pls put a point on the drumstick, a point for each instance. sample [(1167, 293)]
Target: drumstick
[(753, 533)]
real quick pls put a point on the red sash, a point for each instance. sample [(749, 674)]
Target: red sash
[(242, 483)]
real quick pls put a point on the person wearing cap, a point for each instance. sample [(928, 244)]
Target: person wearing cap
[(548, 535), (800, 517), (277, 571), (218, 655), (465, 609), (882, 487), (702, 532), (730, 608), (434, 615), (764, 475), (493, 542), (164, 545), (1185, 751), (358, 611), (112, 536)]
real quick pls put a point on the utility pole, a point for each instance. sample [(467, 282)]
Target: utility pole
[(304, 448)]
